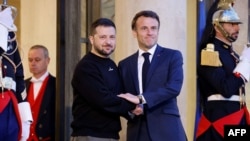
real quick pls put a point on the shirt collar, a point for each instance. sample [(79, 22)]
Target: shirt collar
[(41, 79), (151, 50)]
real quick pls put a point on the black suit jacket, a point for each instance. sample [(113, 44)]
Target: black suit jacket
[(45, 127)]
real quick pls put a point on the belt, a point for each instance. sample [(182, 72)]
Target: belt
[(220, 97)]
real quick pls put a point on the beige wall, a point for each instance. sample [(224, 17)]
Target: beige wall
[(37, 26)]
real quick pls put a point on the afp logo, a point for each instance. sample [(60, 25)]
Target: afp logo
[(237, 132)]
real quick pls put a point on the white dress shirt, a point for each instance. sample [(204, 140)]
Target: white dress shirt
[(37, 83), (140, 63)]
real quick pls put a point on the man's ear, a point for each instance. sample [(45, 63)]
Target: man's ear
[(91, 38), (134, 33), (215, 28)]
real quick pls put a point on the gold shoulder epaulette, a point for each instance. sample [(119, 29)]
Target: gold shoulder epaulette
[(209, 57)]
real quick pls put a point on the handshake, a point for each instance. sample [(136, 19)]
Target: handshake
[(134, 99), (243, 67)]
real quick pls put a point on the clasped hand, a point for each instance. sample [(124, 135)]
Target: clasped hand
[(134, 99)]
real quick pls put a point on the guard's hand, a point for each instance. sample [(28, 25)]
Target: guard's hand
[(243, 67), (7, 20), (26, 119), (25, 131), (246, 53)]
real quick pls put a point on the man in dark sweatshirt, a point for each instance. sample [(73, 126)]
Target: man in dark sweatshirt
[(96, 84)]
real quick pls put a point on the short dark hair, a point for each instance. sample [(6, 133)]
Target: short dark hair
[(101, 22), (145, 13), (45, 50)]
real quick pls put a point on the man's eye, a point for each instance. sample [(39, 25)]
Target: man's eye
[(154, 28), (102, 37)]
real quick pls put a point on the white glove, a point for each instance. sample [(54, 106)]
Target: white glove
[(246, 53), (7, 20), (243, 67), (26, 119), (25, 131), (3, 37)]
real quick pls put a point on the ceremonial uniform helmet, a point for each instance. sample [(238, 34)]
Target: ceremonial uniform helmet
[(225, 16)]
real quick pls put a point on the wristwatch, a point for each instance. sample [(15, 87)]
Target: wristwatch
[(141, 99)]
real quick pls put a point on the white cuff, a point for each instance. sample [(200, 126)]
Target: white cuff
[(25, 112), (143, 100), (24, 94)]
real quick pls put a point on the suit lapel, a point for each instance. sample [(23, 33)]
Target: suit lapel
[(157, 58), (134, 68)]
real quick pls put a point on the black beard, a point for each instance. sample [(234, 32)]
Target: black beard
[(231, 39), (104, 53)]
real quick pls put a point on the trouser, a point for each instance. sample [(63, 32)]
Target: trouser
[(143, 134), (9, 128), (89, 138), (232, 119), (10, 121)]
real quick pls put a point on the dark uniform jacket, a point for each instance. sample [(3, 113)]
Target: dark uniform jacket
[(12, 67), (12, 82), (219, 80)]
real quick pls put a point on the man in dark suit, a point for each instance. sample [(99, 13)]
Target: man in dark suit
[(41, 95), (160, 120)]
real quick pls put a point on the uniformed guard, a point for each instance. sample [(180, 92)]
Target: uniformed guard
[(222, 75), (15, 113)]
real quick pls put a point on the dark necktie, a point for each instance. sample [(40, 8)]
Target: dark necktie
[(145, 68)]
